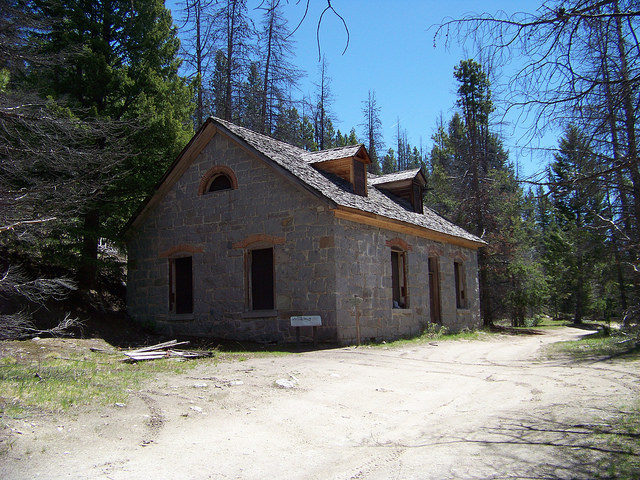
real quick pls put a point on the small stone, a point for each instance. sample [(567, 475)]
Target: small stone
[(118, 404), (195, 408), (200, 385), (234, 383), (284, 383)]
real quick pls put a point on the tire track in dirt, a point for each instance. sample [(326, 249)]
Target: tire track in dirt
[(156, 420)]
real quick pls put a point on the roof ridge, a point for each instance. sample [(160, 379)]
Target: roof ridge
[(228, 123), (336, 148)]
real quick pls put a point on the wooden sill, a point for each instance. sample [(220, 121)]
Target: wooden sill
[(259, 314)]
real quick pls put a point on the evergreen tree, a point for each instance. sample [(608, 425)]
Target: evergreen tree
[(307, 135), (121, 64), (389, 162), (475, 187), (288, 126), (572, 250), (251, 100)]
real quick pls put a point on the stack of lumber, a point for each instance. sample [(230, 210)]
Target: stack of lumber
[(163, 350)]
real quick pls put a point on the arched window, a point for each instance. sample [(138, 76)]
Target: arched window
[(217, 178), (220, 182)]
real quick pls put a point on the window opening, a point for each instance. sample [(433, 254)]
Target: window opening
[(220, 182), (261, 276), (181, 285), (434, 290), (399, 279), (461, 294)]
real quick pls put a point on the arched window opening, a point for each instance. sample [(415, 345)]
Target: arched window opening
[(220, 182), (217, 178)]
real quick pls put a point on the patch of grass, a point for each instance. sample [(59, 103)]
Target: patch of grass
[(624, 437), (52, 383), (435, 332), (598, 345)]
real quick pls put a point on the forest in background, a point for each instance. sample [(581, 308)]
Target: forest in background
[(98, 97)]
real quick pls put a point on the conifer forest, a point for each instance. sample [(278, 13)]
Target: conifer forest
[(97, 98)]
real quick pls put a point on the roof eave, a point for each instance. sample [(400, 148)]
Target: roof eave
[(374, 219)]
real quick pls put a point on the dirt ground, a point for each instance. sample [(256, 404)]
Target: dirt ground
[(466, 409)]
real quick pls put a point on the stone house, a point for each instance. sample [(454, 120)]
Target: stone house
[(244, 232)]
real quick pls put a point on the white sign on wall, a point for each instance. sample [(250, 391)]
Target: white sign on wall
[(306, 321)]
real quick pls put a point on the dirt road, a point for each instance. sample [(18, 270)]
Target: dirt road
[(465, 409)]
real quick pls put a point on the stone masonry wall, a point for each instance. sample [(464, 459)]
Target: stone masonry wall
[(265, 204), (363, 269)]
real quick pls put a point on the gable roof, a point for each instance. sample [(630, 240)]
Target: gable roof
[(333, 154), (295, 163), (394, 177)]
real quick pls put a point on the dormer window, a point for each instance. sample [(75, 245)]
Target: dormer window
[(217, 178), (349, 163), (407, 184), (359, 178), (416, 197)]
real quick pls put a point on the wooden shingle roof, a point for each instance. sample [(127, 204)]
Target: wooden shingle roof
[(340, 192), (379, 207)]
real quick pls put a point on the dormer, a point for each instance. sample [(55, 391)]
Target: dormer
[(407, 184), (349, 163)]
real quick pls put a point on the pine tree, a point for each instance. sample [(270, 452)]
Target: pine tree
[(389, 162), (251, 100), (577, 207), (122, 64)]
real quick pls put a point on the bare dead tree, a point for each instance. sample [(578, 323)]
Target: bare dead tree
[(52, 166), (197, 47), (372, 127), (322, 107), (233, 31), (279, 75)]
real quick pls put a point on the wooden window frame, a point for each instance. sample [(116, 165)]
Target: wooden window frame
[(249, 276), (402, 284), (173, 292), (460, 283)]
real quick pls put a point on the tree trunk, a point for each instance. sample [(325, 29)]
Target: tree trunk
[(267, 67), (629, 121), (199, 107), (88, 268)]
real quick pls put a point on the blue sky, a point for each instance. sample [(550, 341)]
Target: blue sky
[(391, 51)]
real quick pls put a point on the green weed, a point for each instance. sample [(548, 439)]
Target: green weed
[(53, 384), (598, 345)]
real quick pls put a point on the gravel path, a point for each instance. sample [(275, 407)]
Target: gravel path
[(467, 409)]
